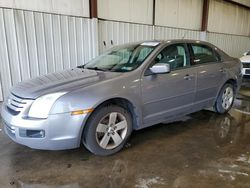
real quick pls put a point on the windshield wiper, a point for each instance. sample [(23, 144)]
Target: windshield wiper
[(95, 68), (81, 66), (91, 68)]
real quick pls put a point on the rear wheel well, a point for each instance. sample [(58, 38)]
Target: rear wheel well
[(234, 84)]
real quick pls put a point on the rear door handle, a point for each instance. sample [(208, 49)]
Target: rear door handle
[(188, 77), (222, 70), (197, 60)]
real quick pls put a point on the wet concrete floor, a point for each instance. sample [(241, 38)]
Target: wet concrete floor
[(203, 150)]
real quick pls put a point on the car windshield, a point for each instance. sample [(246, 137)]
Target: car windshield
[(248, 53), (121, 59)]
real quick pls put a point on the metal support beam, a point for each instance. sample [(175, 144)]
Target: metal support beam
[(205, 11), (93, 9), (153, 12)]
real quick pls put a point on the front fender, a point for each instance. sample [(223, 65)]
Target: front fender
[(92, 96)]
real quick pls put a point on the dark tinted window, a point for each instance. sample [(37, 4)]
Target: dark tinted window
[(175, 55), (218, 57), (203, 54)]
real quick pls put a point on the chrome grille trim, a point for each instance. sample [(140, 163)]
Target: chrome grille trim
[(13, 108), (18, 104), (246, 65), (18, 99)]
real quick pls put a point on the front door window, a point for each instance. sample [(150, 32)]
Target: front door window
[(174, 55)]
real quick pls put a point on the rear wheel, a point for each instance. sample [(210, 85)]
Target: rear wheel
[(107, 130), (225, 99)]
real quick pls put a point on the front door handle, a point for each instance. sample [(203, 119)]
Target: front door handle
[(188, 77)]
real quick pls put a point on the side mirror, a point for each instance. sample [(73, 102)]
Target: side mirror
[(160, 68), (245, 53)]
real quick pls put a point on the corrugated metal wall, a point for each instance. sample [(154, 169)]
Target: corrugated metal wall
[(227, 18), (232, 44), (113, 33), (179, 13), (1, 92), (66, 7), (164, 33), (35, 43), (136, 11)]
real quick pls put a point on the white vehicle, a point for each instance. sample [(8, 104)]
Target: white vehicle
[(246, 63)]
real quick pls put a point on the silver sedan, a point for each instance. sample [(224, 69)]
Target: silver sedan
[(129, 87)]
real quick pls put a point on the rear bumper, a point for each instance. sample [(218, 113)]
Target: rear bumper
[(58, 132)]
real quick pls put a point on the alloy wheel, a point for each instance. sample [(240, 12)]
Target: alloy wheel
[(227, 98), (111, 130)]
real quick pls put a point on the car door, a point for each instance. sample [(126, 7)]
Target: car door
[(210, 72), (167, 95)]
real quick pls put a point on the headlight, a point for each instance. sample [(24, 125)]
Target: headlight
[(42, 105)]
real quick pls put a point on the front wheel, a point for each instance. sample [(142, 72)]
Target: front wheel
[(225, 99), (107, 130)]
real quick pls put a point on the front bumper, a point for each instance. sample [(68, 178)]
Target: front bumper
[(60, 131)]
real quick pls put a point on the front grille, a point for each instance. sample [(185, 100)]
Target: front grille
[(16, 104), (247, 71), (246, 65)]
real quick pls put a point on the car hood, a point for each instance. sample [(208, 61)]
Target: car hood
[(245, 59), (67, 80)]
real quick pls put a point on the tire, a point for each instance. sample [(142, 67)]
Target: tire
[(107, 130), (225, 99)]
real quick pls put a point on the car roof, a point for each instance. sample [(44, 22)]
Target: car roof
[(175, 41), (171, 41)]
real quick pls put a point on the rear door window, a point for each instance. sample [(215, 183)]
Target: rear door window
[(203, 54)]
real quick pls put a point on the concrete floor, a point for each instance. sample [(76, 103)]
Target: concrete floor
[(203, 150)]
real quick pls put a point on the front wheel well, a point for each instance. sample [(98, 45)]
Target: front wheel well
[(126, 104)]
